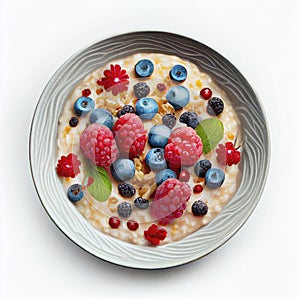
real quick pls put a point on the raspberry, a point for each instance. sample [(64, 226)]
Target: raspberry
[(228, 155), (184, 147), (169, 201), (68, 166), (155, 234), (98, 144), (130, 135)]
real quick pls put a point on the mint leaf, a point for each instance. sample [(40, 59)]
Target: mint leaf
[(211, 132), (101, 187)]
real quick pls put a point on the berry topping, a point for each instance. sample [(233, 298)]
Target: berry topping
[(141, 203), (115, 80), (73, 122), (169, 120), (102, 116), (126, 189), (86, 92), (155, 159), (124, 209), (141, 90), (144, 68), (190, 119), (215, 106), (178, 96), (122, 169), (98, 144), (198, 188), (214, 178), (132, 225), (155, 234), (146, 108), (75, 192), (114, 222), (127, 109), (184, 175), (199, 208), (169, 201), (68, 166), (161, 87), (201, 167), (83, 105), (158, 135), (163, 175), (130, 135), (206, 93), (228, 155), (184, 147), (178, 73)]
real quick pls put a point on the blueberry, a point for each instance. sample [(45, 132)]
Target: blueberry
[(127, 109), (141, 90), (73, 122), (163, 175), (126, 189), (155, 159), (199, 208), (141, 203), (214, 178), (169, 120), (124, 209), (146, 108), (178, 96), (201, 167), (103, 117), (75, 192), (122, 169), (83, 105), (144, 68), (178, 73), (189, 118), (158, 136)]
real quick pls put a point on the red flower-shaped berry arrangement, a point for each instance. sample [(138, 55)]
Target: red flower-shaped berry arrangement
[(115, 80)]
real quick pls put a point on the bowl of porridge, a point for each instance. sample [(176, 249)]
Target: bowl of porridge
[(149, 149)]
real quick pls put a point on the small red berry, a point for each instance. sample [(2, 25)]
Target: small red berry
[(68, 166), (198, 188), (114, 222), (206, 93), (161, 87), (228, 155), (86, 92), (155, 234), (132, 225), (184, 175)]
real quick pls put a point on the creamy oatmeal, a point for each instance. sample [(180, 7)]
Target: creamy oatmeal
[(136, 181)]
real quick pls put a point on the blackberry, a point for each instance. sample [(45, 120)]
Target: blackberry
[(73, 122), (141, 203), (126, 109), (201, 167), (169, 120), (190, 119), (199, 208), (141, 90), (126, 189), (215, 106), (124, 209)]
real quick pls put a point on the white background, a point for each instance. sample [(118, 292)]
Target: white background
[(261, 38)]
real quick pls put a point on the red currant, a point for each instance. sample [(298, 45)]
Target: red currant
[(161, 87), (132, 225), (114, 222), (184, 176), (198, 188), (206, 93), (86, 92)]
